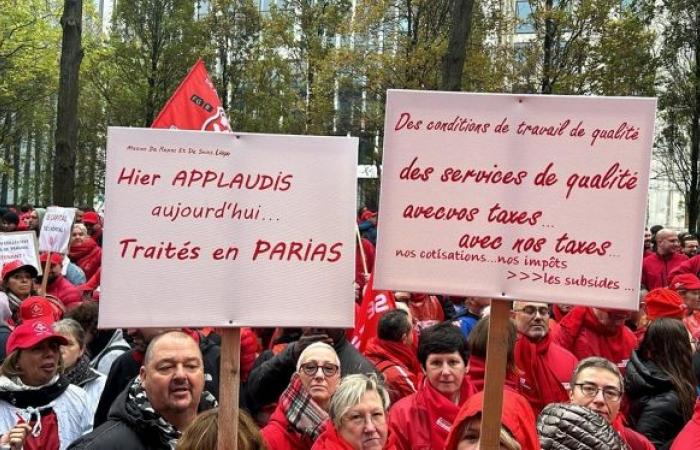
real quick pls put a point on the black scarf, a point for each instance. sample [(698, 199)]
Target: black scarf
[(81, 373)]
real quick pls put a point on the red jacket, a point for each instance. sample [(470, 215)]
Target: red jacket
[(689, 437), (516, 416), (425, 310), (399, 365), (331, 440), (423, 420), (87, 255), (278, 435), (582, 334), (692, 323), (64, 291), (547, 370), (657, 270)]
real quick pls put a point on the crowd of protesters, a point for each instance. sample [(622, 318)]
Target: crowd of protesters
[(576, 377)]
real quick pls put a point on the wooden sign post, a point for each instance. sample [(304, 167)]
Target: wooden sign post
[(229, 388), (496, 362)]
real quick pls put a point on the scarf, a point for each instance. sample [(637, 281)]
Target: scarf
[(477, 375), (139, 407), (614, 347), (396, 352), (442, 411), (87, 255), (302, 413), (81, 373), (331, 440), (545, 388)]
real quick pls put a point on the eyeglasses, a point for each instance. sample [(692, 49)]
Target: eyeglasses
[(311, 368), (610, 394), (531, 311), (358, 419)]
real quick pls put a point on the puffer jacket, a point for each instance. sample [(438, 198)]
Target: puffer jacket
[(655, 409), (565, 426)]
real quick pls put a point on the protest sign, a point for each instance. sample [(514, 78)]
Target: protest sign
[(21, 245), (56, 229), (217, 229), (515, 196)]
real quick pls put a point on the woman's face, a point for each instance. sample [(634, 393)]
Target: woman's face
[(78, 234), (71, 352), (471, 435), (364, 426), (20, 283), (39, 364), (320, 374), (445, 372), (33, 220)]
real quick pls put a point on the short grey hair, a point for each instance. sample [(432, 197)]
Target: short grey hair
[(598, 363), (350, 392), (72, 327), (314, 346)]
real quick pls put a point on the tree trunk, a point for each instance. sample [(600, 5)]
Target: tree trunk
[(7, 154), (67, 116), (453, 62), (548, 48), (695, 141), (47, 178), (38, 147), (16, 153), (27, 165)]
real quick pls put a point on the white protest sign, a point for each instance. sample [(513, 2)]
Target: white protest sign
[(21, 245), (56, 229), (513, 196), (217, 229)]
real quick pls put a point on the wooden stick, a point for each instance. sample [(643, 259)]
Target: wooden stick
[(362, 250), (496, 362), (45, 275), (229, 388)]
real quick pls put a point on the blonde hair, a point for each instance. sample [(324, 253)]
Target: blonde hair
[(350, 392), (202, 434), (312, 347)]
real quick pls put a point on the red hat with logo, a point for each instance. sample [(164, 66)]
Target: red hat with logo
[(31, 333), (91, 217), (37, 307), (56, 258), (664, 302), (13, 266), (685, 282)]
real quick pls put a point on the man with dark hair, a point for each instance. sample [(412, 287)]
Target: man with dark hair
[(391, 352), (424, 419), (657, 267), (598, 384), (689, 245)]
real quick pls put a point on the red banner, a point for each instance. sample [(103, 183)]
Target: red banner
[(374, 304), (195, 105)]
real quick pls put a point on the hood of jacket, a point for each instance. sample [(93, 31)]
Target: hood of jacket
[(565, 426), (643, 378)]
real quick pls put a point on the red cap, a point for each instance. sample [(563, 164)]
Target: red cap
[(31, 333), (40, 307), (13, 266), (685, 282), (367, 215), (91, 217), (664, 302), (56, 258)]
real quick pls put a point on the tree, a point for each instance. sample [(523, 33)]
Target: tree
[(67, 115), (678, 142), (453, 64)]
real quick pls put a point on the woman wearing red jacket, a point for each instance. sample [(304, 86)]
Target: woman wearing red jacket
[(84, 251), (358, 415), (302, 411), (424, 419)]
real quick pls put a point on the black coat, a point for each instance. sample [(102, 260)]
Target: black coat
[(655, 409), (270, 378), (564, 426), (121, 431)]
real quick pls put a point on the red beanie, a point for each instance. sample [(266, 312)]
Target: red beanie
[(664, 302)]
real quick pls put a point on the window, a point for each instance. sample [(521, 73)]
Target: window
[(523, 12)]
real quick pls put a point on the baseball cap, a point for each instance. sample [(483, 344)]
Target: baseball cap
[(685, 281), (91, 217), (30, 333), (37, 307), (56, 258), (13, 266), (662, 302)]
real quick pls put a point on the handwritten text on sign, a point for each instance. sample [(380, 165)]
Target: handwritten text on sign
[(528, 197), (21, 245), (229, 230)]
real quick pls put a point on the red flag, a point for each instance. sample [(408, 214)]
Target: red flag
[(195, 105), (374, 304)]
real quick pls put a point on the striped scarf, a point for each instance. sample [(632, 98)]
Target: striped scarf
[(301, 411)]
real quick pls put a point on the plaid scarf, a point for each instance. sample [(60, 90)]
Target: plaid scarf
[(301, 411), (80, 373)]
